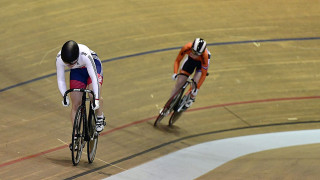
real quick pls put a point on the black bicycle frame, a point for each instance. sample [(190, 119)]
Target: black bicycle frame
[(83, 105)]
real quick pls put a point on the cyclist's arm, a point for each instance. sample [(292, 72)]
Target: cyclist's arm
[(92, 71), (60, 76), (204, 68), (180, 56)]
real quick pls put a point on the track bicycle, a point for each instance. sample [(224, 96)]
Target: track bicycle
[(84, 128), (177, 103)]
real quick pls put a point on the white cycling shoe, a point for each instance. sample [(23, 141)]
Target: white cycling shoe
[(100, 124)]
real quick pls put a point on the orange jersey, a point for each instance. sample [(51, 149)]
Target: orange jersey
[(204, 59)]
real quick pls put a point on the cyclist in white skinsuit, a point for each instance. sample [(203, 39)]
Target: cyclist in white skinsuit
[(86, 72)]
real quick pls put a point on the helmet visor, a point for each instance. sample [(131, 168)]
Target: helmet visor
[(195, 52)]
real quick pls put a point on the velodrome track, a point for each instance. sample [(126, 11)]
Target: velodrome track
[(264, 78)]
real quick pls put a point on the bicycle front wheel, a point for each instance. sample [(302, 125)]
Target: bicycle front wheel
[(179, 109), (174, 117), (77, 136), (93, 135), (168, 107)]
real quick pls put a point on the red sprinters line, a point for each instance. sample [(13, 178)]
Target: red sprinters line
[(32, 156), (150, 118)]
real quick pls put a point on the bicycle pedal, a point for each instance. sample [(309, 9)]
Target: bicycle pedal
[(183, 108), (82, 146), (70, 147), (96, 134)]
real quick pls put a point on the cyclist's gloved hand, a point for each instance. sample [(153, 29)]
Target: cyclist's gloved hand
[(174, 76), (194, 93), (67, 101), (96, 102)]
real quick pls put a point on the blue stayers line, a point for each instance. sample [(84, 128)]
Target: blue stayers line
[(168, 49)]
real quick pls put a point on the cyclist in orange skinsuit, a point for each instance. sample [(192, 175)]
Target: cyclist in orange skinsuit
[(198, 58)]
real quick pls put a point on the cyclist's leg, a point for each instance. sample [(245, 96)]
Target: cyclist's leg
[(197, 74), (78, 79), (99, 112), (180, 81), (76, 102), (100, 80), (187, 68), (100, 123), (196, 78)]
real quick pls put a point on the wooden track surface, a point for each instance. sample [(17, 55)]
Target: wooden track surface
[(264, 73)]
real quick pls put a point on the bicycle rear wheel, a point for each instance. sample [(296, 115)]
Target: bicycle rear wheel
[(93, 135), (170, 104), (77, 136)]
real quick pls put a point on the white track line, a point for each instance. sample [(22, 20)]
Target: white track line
[(97, 158), (194, 161)]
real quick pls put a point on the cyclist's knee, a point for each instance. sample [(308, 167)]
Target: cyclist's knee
[(75, 106), (180, 82), (76, 102)]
